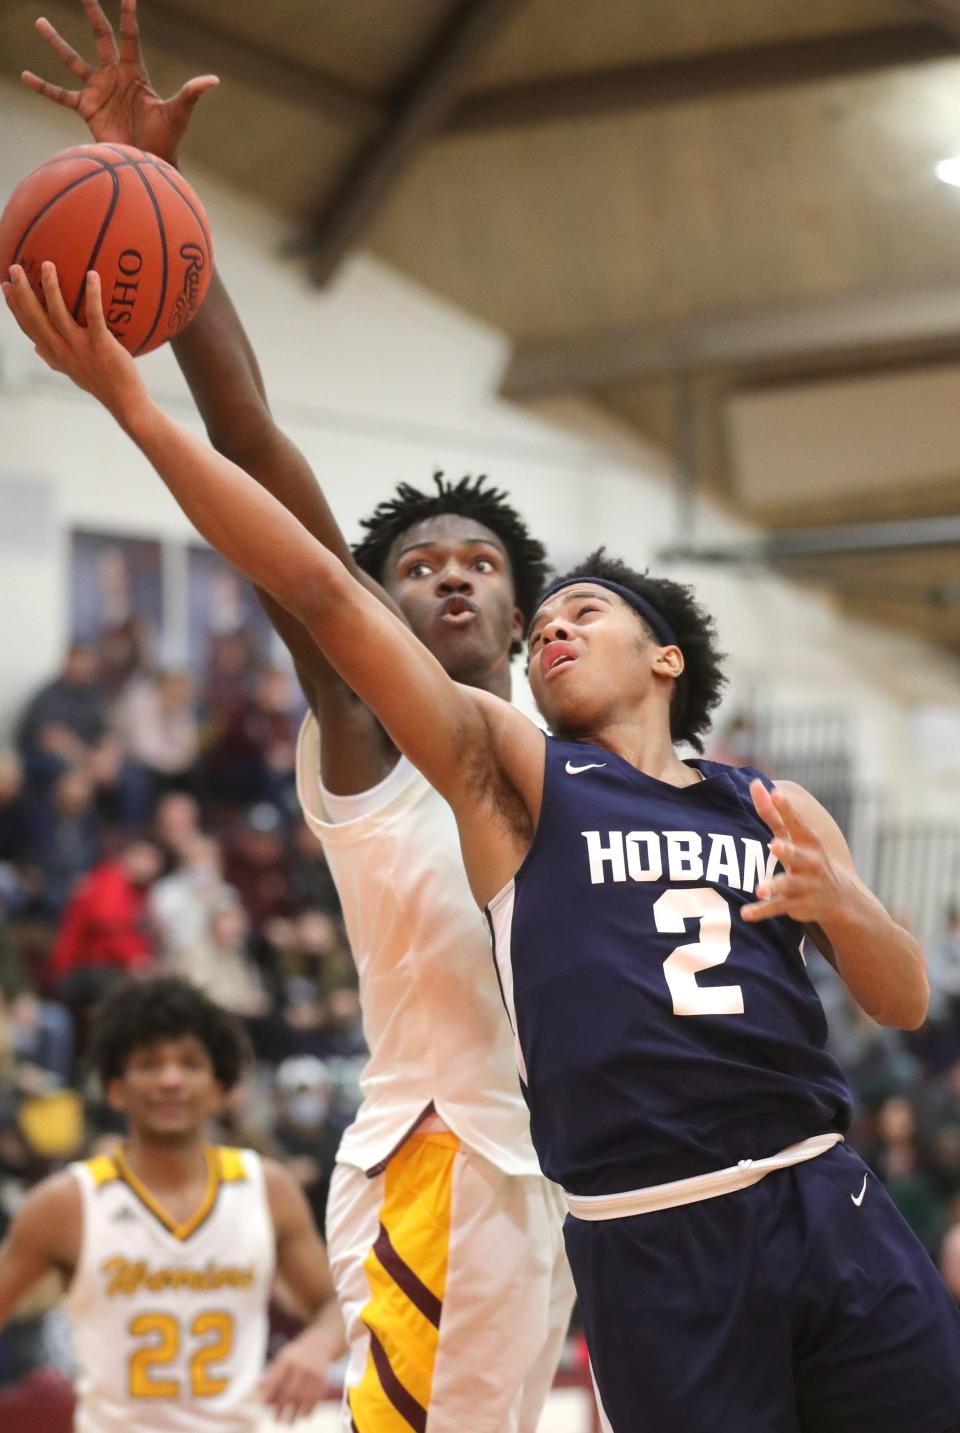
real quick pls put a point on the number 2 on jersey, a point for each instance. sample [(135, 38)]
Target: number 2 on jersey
[(150, 1363), (707, 906)]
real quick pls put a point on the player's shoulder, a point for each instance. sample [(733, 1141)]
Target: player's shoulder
[(51, 1208), (233, 1164), (285, 1198)]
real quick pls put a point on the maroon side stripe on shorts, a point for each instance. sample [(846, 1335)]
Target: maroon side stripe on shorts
[(404, 1277), (402, 1400)]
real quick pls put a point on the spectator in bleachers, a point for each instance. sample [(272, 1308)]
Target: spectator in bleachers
[(321, 950), (182, 903), (105, 932), (950, 1260), (251, 759), (255, 863), (18, 885), (306, 1136), (155, 721), (66, 721), (895, 1158), (943, 965), (65, 839), (736, 743), (233, 647), (219, 961), (176, 824), (938, 1119), (13, 808), (309, 871)]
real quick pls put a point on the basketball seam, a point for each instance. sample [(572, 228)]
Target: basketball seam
[(74, 183), (161, 170), (134, 164), (67, 156), (98, 242)]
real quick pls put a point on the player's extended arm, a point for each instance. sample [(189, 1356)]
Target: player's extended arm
[(120, 105), (466, 743), (297, 1378), (38, 1241), (880, 963)]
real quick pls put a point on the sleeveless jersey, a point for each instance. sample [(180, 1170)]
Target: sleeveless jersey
[(170, 1323), (659, 1036), (432, 1014)]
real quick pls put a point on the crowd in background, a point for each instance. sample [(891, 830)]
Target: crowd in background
[(149, 822)]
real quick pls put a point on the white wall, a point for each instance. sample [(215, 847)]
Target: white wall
[(378, 381)]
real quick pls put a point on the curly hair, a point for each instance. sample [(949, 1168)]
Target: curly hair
[(699, 688), (140, 1013), (472, 498)]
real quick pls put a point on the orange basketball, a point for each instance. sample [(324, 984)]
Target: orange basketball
[(130, 216)]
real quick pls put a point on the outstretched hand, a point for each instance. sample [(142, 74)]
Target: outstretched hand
[(118, 101), (91, 356), (811, 886)]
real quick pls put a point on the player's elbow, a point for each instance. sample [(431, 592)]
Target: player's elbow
[(917, 1012), (911, 1008)]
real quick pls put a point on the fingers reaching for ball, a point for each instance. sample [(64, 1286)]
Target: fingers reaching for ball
[(87, 352), (29, 312)]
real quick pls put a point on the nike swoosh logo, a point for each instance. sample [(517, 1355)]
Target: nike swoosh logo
[(590, 766), (858, 1198)]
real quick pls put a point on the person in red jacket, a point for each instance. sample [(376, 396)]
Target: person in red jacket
[(105, 931)]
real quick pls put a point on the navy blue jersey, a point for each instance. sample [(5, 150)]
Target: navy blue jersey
[(659, 1035)]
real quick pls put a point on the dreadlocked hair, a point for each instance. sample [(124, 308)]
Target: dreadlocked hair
[(699, 688), (472, 498), (140, 1013)]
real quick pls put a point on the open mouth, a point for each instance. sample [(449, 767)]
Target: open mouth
[(555, 656), (457, 611)]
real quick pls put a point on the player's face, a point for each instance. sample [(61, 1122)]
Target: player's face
[(168, 1090), (451, 578), (590, 660)]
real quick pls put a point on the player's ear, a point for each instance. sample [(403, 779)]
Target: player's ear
[(519, 625), (669, 662), (116, 1096)]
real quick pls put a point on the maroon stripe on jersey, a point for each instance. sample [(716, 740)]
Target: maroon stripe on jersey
[(403, 1401), (404, 1277)]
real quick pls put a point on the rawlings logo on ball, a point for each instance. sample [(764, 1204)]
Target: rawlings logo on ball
[(188, 300)]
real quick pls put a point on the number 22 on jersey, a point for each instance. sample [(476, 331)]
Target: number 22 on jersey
[(150, 1364)]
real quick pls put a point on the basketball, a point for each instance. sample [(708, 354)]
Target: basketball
[(130, 216)]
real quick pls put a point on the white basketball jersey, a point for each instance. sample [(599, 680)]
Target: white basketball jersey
[(433, 1015), (170, 1322)]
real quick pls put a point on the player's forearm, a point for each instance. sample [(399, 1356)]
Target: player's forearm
[(327, 1330), (224, 377), (880, 962)]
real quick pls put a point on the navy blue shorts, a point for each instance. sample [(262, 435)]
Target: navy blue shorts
[(787, 1307)]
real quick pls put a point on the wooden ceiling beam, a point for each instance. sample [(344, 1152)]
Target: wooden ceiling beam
[(720, 75), (876, 331), (418, 113), (943, 13)]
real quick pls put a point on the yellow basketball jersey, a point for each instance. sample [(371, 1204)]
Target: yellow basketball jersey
[(170, 1322)]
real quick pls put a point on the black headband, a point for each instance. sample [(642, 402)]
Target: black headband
[(658, 624)]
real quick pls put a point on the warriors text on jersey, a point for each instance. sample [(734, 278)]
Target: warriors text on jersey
[(170, 1322), (659, 1036)]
